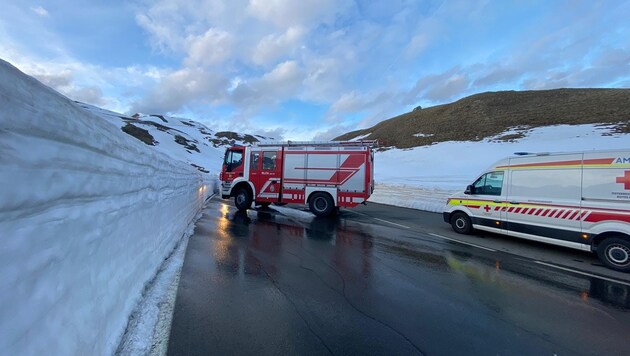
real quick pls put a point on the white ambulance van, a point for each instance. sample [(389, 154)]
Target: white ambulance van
[(579, 200)]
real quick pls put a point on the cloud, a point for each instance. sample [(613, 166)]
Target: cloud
[(288, 13), (56, 80), (496, 74), (332, 132), (417, 45), (344, 64), (90, 95), (181, 88), (272, 47), (275, 133), (63, 82), (439, 87), (281, 83), (348, 102), (211, 48), (40, 11)]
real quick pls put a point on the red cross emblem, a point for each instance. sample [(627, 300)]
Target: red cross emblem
[(487, 208), (625, 180)]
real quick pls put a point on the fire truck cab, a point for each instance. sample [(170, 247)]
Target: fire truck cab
[(324, 175)]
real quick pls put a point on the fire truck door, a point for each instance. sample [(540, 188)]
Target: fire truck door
[(266, 177)]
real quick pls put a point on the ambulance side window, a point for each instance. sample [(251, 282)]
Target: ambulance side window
[(269, 161), (489, 184)]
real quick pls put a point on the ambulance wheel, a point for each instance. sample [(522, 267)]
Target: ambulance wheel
[(321, 204), (461, 223), (614, 252), (242, 199)]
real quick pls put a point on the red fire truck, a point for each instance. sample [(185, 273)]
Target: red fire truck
[(324, 175)]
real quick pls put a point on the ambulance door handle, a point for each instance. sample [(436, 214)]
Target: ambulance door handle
[(497, 201), (514, 202)]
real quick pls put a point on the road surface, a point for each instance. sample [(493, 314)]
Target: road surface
[(384, 280)]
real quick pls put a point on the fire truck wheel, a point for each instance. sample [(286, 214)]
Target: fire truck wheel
[(321, 204), (461, 223), (242, 199), (614, 252)]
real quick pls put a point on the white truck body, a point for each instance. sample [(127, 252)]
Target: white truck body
[(576, 200)]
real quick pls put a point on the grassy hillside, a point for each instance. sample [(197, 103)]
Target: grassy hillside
[(489, 114)]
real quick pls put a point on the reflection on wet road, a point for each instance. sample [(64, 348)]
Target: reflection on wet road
[(264, 283)]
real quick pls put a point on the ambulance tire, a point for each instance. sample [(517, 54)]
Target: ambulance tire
[(614, 252), (461, 223), (321, 204), (242, 199)]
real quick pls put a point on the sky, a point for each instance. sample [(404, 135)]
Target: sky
[(310, 69)]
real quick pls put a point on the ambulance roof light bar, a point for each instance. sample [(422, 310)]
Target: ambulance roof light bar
[(371, 143)]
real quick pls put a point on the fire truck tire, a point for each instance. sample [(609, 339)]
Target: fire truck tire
[(461, 223), (242, 199), (321, 204), (614, 252)]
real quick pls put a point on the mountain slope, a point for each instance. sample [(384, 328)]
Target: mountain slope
[(181, 139), (490, 114)]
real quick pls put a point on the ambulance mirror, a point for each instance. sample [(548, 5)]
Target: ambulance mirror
[(469, 189)]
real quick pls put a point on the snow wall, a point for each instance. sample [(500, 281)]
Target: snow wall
[(87, 216)]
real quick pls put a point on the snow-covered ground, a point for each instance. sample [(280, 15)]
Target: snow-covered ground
[(87, 216), (423, 177)]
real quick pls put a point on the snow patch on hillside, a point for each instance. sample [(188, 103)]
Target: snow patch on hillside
[(360, 137)]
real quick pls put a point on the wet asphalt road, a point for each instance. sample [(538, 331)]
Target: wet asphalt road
[(267, 283)]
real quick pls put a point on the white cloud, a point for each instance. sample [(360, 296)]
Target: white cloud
[(281, 83), (348, 102), (417, 45), (272, 47), (211, 48), (40, 11), (181, 88), (331, 132), (287, 13)]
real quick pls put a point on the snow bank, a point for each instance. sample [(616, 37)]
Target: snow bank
[(423, 177), (87, 215)]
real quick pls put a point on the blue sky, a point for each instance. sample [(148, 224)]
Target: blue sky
[(310, 69)]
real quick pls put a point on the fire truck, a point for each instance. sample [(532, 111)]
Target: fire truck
[(323, 175)]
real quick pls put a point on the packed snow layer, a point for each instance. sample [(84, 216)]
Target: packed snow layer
[(423, 177), (87, 215)]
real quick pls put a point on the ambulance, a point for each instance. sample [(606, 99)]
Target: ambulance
[(324, 175), (579, 200)]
